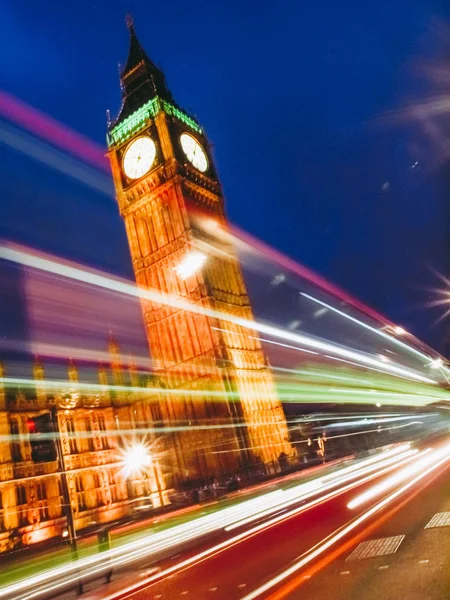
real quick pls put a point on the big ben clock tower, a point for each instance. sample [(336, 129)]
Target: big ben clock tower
[(215, 370)]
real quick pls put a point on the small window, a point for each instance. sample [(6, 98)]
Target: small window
[(16, 452), (72, 439), (103, 433), (40, 491), (80, 493), (90, 439), (21, 495)]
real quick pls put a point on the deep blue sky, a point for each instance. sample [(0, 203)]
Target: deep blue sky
[(292, 95)]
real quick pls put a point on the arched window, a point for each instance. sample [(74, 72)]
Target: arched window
[(21, 501), (102, 428), (80, 493), (99, 486), (41, 494), (21, 495), (90, 439), (112, 485), (40, 491), (71, 433), (16, 452)]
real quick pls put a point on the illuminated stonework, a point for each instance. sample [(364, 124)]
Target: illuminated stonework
[(91, 426), (163, 213), (142, 116)]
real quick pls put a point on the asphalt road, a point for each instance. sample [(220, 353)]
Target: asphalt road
[(418, 570), (239, 570)]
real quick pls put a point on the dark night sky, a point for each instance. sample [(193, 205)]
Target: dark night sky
[(292, 95)]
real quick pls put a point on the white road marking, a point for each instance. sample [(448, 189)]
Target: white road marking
[(345, 572), (439, 520), (378, 547)]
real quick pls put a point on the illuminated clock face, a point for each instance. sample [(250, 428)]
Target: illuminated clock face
[(139, 157), (194, 152)]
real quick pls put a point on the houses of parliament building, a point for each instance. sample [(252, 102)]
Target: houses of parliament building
[(91, 424), (211, 366)]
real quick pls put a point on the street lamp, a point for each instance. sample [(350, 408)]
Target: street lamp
[(135, 458), (191, 263)]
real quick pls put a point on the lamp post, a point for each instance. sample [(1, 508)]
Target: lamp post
[(66, 494)]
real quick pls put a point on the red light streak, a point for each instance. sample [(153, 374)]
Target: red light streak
[(49, 129)]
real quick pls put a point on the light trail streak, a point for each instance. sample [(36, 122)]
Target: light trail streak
[(202, 556), (60, 135), (442, 457), (56, 159), (253, 244), (67, 574), (392, 481), (301, 392), (318, 485), (350, 362), (49, 129), (15, 255), (198, 558), (379, 332)]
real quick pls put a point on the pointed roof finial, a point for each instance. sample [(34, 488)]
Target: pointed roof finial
[(140, 79), (129, 21)]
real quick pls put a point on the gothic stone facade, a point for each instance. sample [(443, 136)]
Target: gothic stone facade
[(166, 188), (93, 427)]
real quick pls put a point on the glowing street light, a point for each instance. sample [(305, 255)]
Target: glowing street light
[(191, 263), (135, 458)]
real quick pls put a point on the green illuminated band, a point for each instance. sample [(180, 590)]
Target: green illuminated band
[(181, 116), (140, 117)]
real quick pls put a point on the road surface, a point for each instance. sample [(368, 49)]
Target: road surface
[(242, 569)]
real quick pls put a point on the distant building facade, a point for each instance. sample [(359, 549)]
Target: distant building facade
[(94, 427)]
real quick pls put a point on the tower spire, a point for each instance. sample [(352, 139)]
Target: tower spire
[(141, 80)]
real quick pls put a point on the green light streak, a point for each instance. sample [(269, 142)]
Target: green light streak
[(301, 390), (137, 121)]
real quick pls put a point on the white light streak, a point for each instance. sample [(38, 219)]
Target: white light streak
[(392, 481), (398, 330), (332, 540), (66, 270), (56, 578)]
